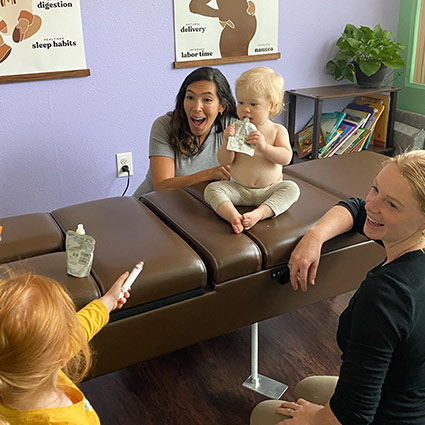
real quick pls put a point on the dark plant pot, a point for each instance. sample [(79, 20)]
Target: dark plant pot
[(374, 81)]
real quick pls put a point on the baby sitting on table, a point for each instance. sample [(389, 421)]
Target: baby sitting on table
[(256, 170)]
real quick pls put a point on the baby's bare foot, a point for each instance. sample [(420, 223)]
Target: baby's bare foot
[(251, 218), (237, 225)]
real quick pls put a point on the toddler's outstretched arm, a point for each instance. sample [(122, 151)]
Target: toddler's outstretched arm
[(93, 317), (112, 299)]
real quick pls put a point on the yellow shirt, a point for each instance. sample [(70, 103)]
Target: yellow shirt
[(92, 317)]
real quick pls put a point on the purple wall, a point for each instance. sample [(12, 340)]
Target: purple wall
[(58, 138)]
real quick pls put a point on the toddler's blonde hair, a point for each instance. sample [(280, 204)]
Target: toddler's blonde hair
[(266, 82), (39, 334)]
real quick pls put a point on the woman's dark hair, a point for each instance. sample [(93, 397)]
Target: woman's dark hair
[(182, 138)]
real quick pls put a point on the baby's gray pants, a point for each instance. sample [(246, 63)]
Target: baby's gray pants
[(278, 196)]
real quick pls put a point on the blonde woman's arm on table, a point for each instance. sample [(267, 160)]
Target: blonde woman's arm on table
[(305, 257)]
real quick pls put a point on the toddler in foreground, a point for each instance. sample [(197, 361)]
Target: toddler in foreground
[(44, 349), (255, 180)]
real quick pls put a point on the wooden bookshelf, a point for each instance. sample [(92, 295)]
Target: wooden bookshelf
[(319, 94)]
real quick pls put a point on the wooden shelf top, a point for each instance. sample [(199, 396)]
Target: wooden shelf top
[(335, 91), (371, 148)]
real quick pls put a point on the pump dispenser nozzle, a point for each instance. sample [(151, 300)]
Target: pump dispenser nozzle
[(80, 230)]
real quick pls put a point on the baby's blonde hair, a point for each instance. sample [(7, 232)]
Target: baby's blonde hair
[(266, 82), (39, 334)]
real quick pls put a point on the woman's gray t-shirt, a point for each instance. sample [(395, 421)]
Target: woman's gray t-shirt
[(159, 145)]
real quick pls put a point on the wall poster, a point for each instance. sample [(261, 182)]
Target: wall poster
[(225, 31), (41, 40)]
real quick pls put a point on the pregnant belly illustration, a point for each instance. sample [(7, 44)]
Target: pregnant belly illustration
[(236, 36), (237, 18)]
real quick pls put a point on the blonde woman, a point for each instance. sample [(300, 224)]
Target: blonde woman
[(382, 331)]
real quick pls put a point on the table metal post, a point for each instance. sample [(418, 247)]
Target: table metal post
[(259, 383)]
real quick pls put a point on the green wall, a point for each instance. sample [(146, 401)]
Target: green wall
[(412, 95)]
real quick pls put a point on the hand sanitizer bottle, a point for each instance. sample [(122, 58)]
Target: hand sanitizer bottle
[(79, 252)]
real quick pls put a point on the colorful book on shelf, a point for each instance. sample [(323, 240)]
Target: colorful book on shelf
[(329, 123), (380, 109), (334, 149), (371, 119), (360, 143), (331, 142), (342, 142), (380, 127), (304, 141), (368, 139), (357, 116), (356, 121), (352, 140), (380, 132), (365, 108), (346, 128), (324, 153), (357, 147)]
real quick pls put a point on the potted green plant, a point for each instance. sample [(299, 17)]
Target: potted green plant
[(364, 52)]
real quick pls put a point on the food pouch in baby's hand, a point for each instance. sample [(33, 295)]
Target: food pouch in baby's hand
[(79, 252), (237, 143)]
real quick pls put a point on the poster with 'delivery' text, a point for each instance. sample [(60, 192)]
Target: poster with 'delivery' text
[(219, 29), (40, 36)]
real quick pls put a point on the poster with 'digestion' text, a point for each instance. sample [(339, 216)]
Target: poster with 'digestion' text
[(212, 29), (40, 36)]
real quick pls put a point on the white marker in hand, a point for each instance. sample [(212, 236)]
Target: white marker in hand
[(132, 277)]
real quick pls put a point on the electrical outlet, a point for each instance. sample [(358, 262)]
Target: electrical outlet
[(125, 158)]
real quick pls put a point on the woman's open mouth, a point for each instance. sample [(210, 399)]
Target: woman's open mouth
[(373, 223), (197, 122)]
